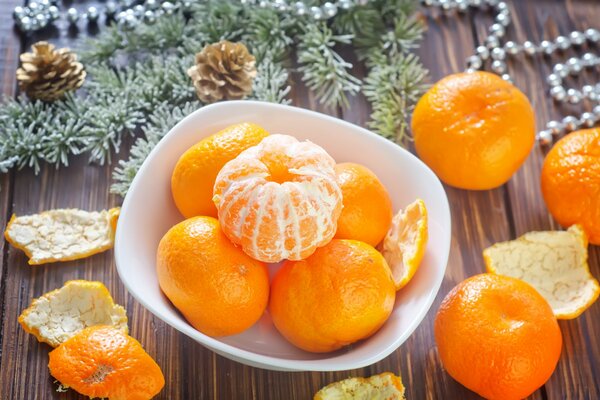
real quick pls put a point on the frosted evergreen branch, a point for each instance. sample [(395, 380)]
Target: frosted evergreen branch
[(324, 70), (271, 83)]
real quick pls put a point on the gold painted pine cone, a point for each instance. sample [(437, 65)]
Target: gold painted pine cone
[(48, 74), (223, 71)]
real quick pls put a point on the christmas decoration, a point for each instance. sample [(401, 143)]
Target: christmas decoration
[(223, 70), (48, 74), (152, 91)]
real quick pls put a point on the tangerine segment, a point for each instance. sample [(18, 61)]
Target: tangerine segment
[(342, 293), (105, 362), (195, 172), (280, 199), (384, 386), (474, 130), (404, 245), (571, 181), (218, 288), (497, 336), (367, 211), (555, 263)]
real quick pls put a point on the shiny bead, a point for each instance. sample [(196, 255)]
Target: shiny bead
[(596, 111), (33, 7), (587, 90), (329, 9), (316, 13), (41, 21), (554, 80), (589, 59), (555, 127), (588, 119), (492, 42), (562, 43), (483, 52), (462, 5), (26, 23), (127, 3), (186, 6), (53, 13), (498, 66), (570, 123), (92, 14), (345, 4), (475, 3), (280, 5), (110, 9), (574, 96), (121, 16), (574, 65), (138, 11), (501, 6), (503, 19), (507, 78), (544, 137), (168, 7), (470, 70), (498, 54), (445, 5), (577, 38), (18, 13), (474, 62), (149, 17), (151, 4), (72, 15), (128, 22), (547, 47), (560, 70), (511, 47), (44, 4), (497, 30), (593, 35), (300, 8), (529, 48), (492, 3), (558, 93)]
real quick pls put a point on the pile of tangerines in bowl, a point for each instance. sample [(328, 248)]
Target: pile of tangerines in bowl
[(253, 199)]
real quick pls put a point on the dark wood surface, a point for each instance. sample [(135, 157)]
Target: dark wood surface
[(193, 372)]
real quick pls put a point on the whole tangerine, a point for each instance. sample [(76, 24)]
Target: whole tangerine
[(474, 130), (497, 336), (571, 181), (367, 212), (196, 170), (344, 292), (217, 287)]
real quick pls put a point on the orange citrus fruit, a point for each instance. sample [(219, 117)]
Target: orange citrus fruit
[(194, 174), (497, 336), (344, 292), (104, 362), (279, 199), (217, 287), (404, 246), (474, 130), (571, 181), (367, 212)]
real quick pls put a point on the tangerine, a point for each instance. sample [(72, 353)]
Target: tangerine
[(195, 172), (474, 130), (367, 212), (217, 287), (497, 336), (571, 181), (342, 293)]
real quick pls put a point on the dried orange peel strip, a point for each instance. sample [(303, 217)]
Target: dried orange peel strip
[(58, 315), (404, 245), (63, 234), (555, 263), (385, 386)]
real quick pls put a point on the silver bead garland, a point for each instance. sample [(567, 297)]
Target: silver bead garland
[(494, 52)]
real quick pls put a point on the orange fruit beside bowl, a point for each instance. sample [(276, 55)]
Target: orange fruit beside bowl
[(474, 130), (196, 170), (497, 336), (344, 292), (367, 212), (571, 181), (217, 287)]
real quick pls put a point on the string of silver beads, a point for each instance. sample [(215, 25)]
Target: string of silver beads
[(324, 12), (495, 53)]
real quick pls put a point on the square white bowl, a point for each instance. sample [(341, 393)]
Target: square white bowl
[(148, 211)]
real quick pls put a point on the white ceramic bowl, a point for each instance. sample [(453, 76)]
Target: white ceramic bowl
[(148, 212)]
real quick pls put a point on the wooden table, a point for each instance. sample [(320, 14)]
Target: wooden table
[(193, 372)]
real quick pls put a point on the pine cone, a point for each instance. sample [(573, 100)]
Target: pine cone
[(223, 70), (48, 74)]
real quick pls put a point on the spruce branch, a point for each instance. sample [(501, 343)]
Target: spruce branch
[(324, 70)]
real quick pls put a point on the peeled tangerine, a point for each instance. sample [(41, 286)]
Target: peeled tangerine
[(62, 313), (280, 199), (554, 263), (385, 386), (62, 235)]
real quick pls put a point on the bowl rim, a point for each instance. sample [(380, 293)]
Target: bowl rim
[(265, 360)]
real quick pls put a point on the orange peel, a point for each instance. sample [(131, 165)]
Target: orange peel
[(384, 386), (404, 245), (554, 263), (60, 314), (63, 234)]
